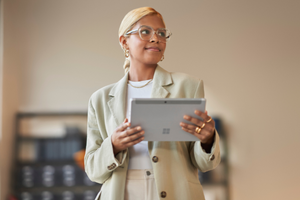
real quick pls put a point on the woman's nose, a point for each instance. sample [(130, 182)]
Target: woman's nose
[(154, 38)]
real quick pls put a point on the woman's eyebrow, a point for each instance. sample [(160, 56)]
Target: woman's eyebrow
[(150, 26)]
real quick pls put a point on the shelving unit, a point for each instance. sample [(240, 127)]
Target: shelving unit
[(44, 166)]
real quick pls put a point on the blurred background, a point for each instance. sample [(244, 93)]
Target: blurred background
[(55, 54)]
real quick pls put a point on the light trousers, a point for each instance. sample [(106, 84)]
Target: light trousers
[(140, 185)]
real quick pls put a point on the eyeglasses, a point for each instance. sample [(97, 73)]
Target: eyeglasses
[(147, 32)]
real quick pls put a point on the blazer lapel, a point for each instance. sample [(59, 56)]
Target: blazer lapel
[(161, 79), (117, 103)]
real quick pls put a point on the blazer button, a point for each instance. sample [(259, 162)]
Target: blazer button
[(155, 159), (212, 157), (163, 194)]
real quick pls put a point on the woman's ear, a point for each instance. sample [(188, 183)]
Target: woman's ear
[(123, 41)]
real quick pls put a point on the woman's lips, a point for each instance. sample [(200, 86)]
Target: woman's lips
[(152, 49)]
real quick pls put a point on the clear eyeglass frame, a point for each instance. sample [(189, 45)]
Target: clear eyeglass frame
[(158, 31)]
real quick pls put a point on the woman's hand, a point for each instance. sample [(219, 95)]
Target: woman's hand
[(122, 138), (204, 130)]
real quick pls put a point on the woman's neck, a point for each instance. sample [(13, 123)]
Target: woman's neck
[(141, 73)]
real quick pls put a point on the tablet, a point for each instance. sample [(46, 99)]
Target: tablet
[(160, 118)]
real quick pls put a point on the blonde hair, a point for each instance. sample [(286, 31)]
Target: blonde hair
[(130, 20)]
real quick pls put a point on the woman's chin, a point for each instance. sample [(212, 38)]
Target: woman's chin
[(152, 64), (153, 61)]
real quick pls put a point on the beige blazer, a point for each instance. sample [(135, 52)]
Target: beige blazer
[(175, 171)]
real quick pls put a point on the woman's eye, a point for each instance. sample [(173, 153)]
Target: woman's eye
[(145, 32), (162, 34)]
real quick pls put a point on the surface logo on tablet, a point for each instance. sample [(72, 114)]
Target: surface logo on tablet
[(166, 131)]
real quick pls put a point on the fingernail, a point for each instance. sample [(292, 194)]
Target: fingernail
[(197, 111), (138, 128), (185, 117)]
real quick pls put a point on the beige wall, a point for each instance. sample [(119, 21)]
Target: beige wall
[(56, 53), (1, 85), (10, 95), (1, 69)]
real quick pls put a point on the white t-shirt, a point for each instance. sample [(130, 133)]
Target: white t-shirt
[(138, 154)]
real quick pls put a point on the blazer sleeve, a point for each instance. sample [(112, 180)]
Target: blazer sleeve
[(200, 159), (99, 160)]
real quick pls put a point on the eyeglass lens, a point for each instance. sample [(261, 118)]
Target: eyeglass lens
[(146, 33)]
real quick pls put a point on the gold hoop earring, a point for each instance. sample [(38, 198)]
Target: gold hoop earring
[(126, 52), (162, 58)]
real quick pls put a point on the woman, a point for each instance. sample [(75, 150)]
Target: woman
[(116, 155)]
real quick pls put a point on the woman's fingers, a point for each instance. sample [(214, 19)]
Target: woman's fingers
[(196, 121), (127, 136), (128, 132), (206, 119), (191, 128), (203, 115), (202, 136), (134, 137), (188, 130), (123, 127), (129, 144), (188, 126), (206, 125), (124, 137)]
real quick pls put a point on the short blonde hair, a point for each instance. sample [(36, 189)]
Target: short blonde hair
[(130, 20)]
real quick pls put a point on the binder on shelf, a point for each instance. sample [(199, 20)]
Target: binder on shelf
[(41, 146), (69, 175), (68, 195), (27, 176), (46, 195), (27, 151), (89, 195), (48, 176)]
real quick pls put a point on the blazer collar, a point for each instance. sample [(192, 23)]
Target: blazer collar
[(118, 93), (161, 79)]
